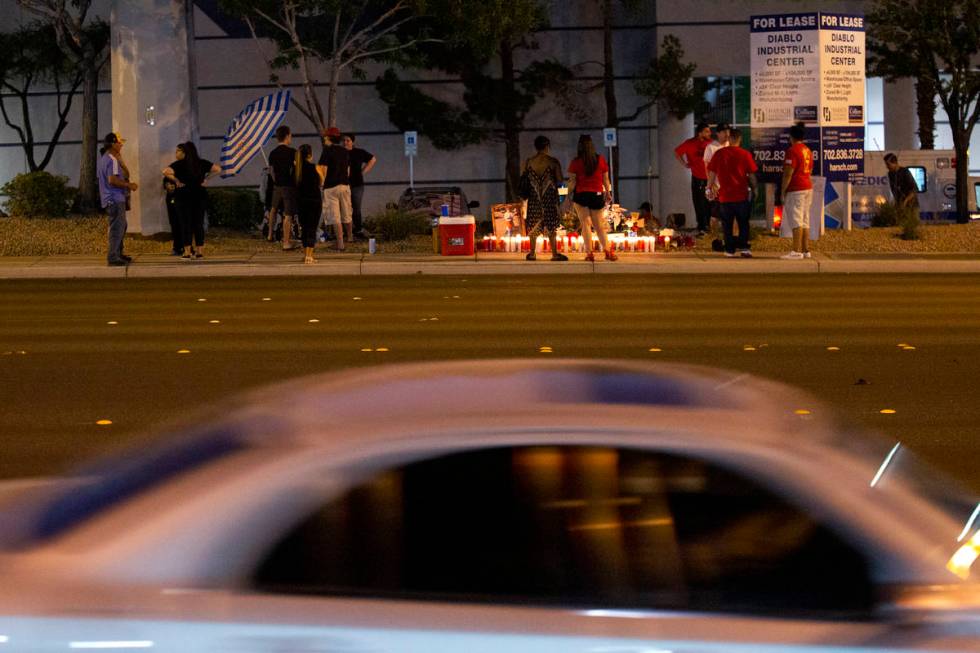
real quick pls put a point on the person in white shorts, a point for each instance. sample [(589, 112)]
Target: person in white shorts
[(797, 192), (334, 168)]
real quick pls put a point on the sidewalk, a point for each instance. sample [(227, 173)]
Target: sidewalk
[(334, 264)]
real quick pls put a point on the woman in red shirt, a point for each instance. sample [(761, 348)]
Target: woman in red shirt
[(590, 188)]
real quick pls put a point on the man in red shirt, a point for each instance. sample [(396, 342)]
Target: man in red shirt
[(731, 174), (797, 191), (690, 154)]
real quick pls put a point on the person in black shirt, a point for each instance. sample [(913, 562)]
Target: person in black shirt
[(189, 172), (309, 199), (282, 162), (905, 192), (334, 168), (361, 162)]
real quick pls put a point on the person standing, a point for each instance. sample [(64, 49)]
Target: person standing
[(797, 191), (690, 154), (282, 164), (905, 192), (334, 168), (721, 140), (591, 189), (731, 174), (543, 174), (114, 190), (173, 216), (189, 172), (361, 162), (309, 199)]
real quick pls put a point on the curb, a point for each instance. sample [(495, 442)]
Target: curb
[(160, 266)]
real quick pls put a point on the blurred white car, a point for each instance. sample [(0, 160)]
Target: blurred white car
[(517, 506)]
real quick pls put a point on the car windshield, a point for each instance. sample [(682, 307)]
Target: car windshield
[(900, 466)]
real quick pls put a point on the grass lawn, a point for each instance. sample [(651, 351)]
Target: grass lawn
[(43, 237)]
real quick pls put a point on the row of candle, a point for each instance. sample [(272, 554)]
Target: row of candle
[(573, 243)]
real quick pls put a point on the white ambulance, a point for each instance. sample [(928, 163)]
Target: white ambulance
[(934, 174)]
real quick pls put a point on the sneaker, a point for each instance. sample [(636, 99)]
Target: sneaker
[(590, 257), (559, 257), (730, 254), (807, 255), (611, 255), (793, 256), (745, 253), (531, 257)]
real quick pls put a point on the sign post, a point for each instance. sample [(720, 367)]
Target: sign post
[(809, 68), (609, 138), (411, 150)]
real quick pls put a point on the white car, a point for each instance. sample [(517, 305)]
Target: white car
[(515, 506)]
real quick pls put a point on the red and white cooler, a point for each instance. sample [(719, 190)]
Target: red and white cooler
[(457, 235)]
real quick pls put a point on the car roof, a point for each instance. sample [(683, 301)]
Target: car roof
[(523, 386)]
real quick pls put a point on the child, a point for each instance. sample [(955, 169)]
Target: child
[(169, 189)]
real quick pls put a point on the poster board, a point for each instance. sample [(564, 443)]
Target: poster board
[(508, 219)]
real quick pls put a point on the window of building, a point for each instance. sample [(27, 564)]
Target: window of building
[(572, 526)]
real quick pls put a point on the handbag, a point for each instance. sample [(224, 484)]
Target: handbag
[(524, 189)]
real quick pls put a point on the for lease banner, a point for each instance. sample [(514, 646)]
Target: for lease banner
[(841, 70), (809, 67), (785, 69)]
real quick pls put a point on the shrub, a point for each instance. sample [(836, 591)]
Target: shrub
[(885, 215), (234, 208), (392, 224), (38, 195), (908, 220)]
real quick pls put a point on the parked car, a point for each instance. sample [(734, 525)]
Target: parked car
[(429, 200), (522, 506)]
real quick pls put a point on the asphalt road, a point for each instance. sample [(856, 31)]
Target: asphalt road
[(73, 353)]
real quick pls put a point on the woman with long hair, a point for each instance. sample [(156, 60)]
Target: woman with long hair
[(309, 199), (188, 173), (591, 189)]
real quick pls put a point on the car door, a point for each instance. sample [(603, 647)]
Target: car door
[(555, 549)]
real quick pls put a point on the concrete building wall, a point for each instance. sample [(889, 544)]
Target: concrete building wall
[(229, 72)]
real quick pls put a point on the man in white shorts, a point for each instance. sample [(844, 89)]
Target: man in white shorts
[(797, 192), (334, 168)]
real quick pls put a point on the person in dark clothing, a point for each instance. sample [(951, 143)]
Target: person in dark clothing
[(544, 175), (308, 198), (334, 168), (282, 161), (188, 173), (690, 154), (905, 192), (170, 199), (361, 162)]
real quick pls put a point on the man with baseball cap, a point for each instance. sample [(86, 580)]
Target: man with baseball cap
[(334, 169), (114, 190)]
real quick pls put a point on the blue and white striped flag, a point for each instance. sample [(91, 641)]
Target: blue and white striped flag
[(250, 130)]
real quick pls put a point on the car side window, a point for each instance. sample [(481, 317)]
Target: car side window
[(571, 526)]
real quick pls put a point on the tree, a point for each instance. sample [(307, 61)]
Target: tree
[(937, 41), (665, 81), (481, 43), (84, 42), (28, 57), (342, 34)]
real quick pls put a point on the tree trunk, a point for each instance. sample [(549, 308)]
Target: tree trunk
[(332, 94), (961, 143), (925, 99), (609, 85), (511, 123), (87, 200)]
